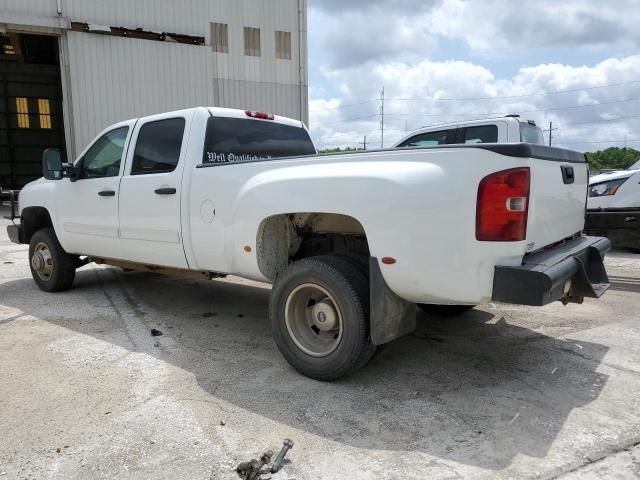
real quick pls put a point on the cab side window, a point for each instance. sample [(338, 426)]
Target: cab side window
[(105, 155), (158, 147), (481, 134), (426, 139)]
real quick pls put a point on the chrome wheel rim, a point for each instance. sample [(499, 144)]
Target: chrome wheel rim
[(42, 261), (313, 320)]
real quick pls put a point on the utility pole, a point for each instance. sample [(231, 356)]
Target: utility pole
[(364, 143), (551, 130), (382, 119), (406, 127)]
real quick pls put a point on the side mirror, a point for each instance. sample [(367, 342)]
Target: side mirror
[(52, 164)]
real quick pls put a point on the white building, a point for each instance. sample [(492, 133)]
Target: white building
[(69, 68)]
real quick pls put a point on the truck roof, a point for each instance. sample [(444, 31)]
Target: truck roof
[(237, 113), (506, 118)]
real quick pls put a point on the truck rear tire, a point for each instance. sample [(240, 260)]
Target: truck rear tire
[(52, 268), (319, 312)]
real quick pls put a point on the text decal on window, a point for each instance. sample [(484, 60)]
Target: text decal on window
[(222, 157)]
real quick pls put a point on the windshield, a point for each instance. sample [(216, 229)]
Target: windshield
[(635, 166), (235, 140), (531, 134)]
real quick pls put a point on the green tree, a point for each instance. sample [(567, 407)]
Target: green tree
[(613, 158), (328, 151)]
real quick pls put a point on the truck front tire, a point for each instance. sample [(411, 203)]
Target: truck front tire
[(319, 312), (52, 268)]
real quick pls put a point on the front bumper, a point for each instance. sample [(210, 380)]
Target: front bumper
[(620, 225), (568, 272)]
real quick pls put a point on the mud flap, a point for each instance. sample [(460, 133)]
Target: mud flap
[(391, 316)]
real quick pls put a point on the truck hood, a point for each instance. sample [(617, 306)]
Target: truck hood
[(607, 177)]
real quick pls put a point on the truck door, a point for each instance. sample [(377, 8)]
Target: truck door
[(149, 208), (87, 208)]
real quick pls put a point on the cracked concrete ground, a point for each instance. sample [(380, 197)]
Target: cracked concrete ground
[(499, 392)]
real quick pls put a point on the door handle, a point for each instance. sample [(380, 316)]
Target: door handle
[(165, 191), (568, 175), (107, 193)]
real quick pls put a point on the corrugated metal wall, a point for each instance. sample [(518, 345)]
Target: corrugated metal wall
[(278, 98), (112, 78)]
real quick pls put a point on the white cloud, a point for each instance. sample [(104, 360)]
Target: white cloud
[(360, 46), (501, 25), (413, 92), (352, 32), (356, 37)]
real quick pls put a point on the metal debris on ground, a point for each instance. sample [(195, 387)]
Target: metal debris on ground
[(277, 465), (254, 469)]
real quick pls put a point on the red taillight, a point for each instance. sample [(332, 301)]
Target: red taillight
[(260, 115), (503, 205)]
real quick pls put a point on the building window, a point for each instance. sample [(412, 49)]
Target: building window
[(252, 42), (44, 109), (283, 45), (220, 37), (22, 112), (8, 46)]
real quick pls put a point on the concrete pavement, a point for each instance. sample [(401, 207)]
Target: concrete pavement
[(499, 392)]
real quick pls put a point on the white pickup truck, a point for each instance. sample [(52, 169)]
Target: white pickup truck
[(351, 242), (508, 129)]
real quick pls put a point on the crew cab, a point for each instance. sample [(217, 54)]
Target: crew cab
[(613, 206), (509, 129), (351, 242)]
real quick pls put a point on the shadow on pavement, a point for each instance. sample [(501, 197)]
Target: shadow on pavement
[(625, 284), (471, 389)]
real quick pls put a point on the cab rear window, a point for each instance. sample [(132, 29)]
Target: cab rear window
[(426, 139), (531, 134), (481, 134), (237, 140)]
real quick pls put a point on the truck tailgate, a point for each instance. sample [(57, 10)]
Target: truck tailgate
[(559, 181)]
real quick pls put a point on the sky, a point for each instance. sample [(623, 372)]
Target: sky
[(575, 63)]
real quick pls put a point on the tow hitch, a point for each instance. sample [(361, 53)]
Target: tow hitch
[(568, 272)]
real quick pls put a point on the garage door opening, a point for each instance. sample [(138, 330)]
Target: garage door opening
[(30, 106)]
